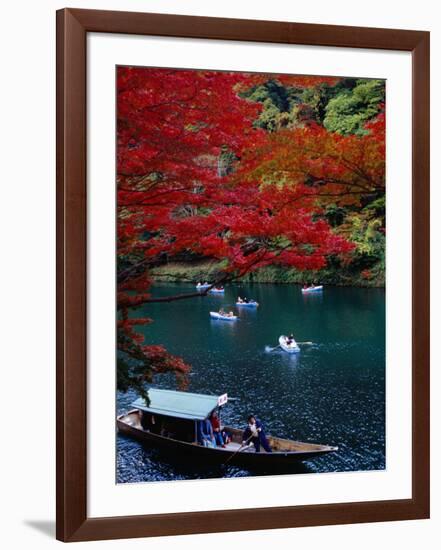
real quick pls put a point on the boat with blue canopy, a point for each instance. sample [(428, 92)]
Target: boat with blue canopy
[(168, 420)]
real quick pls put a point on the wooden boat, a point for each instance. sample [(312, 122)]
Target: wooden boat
[(289, 348), (251, 303), (219, 316), (169, 423), (310, 289)]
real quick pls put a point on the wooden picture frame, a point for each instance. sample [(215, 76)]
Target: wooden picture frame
[(72, 28)]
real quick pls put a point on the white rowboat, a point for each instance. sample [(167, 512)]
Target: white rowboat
[(202, 287), (312, 289), (216, 315), (289, 348)]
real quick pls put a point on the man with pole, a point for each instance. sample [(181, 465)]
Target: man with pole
[(254, 433)]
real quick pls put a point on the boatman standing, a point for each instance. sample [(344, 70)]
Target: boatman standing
[(254, 433)]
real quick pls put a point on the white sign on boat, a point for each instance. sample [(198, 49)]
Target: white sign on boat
[(222, 399)]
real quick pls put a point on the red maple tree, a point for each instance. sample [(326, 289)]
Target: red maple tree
[(188, 183)]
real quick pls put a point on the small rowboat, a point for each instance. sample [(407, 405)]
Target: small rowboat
[(202, 287), (252, 303), (289, 348), (216, 315), (169, 422), (318, 288), (217, 291)]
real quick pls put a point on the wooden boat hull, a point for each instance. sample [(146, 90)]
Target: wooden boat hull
[(247, 459)]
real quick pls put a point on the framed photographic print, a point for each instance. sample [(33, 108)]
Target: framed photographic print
[(242, 274)]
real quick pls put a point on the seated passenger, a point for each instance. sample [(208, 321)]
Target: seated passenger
[(215, 424), (206, 434), (148, 422)]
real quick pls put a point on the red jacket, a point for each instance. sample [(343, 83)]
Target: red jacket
[(215, 423)]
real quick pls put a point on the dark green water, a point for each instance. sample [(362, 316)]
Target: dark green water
[(332, 392)]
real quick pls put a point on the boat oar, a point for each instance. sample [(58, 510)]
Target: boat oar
[(238, 450), (305, 343)]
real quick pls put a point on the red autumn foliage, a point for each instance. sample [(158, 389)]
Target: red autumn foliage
[(329, 165)]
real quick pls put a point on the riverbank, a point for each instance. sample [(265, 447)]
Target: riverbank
[(210, 271)]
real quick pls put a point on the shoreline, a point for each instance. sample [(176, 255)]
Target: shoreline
[(176, 272)]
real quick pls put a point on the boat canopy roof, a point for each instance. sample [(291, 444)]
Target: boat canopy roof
[(178, 404)]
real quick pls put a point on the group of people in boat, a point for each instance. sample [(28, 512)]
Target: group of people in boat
[(290, 340), (211, 434), (306, 286), (231, 313), (225, 313)]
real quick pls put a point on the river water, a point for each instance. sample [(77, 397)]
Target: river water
[(332, 392)]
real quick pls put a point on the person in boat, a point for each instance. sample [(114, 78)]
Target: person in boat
[(206, 434), (148, 422), (255, 434), (216, 426), (245, 300), (239, 300), (289, 339), (222, 312), (226, 436)]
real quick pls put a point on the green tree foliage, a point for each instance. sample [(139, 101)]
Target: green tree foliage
[(349, 110), (291, 106)]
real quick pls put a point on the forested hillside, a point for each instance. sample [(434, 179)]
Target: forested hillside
[(351, 108)]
